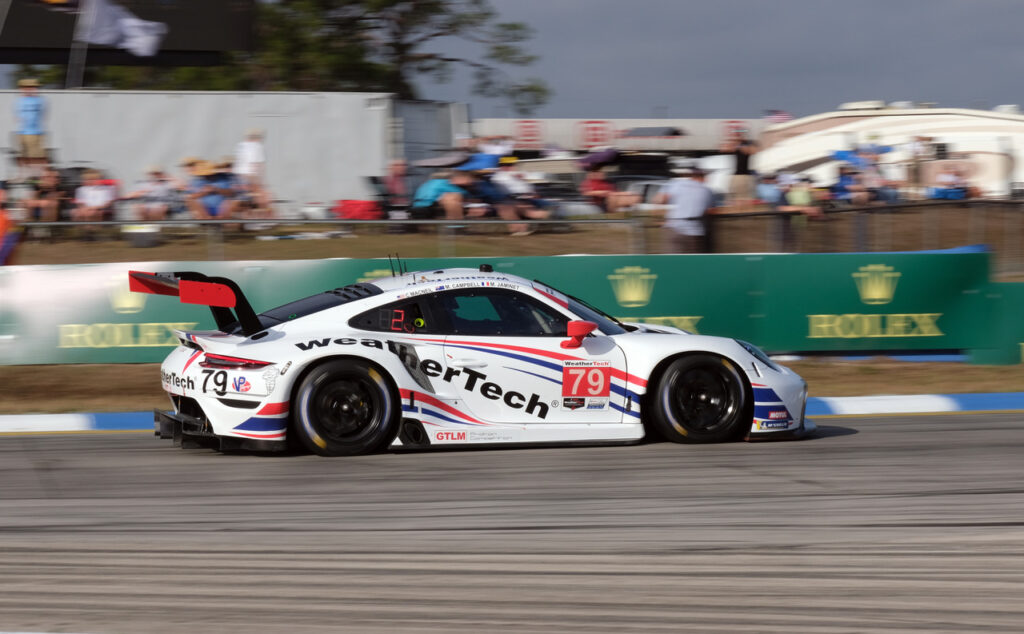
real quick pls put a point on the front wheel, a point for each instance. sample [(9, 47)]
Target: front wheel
[(344, 408), (700, 398)]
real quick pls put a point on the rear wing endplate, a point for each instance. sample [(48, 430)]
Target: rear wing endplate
[(219, 293)]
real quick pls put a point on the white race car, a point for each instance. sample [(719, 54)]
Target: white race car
[(455, 357)]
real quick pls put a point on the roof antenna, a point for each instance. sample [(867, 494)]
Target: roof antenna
[(392, 265), (403, 267)]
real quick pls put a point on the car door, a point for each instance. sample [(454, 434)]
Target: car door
[(408, 329), (506, 347)]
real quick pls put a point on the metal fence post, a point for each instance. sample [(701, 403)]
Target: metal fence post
[(637, 227), (975, 223), (446, 241), (214, 242)]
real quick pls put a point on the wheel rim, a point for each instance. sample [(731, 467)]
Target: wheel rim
[(704, 397), (346, 409)]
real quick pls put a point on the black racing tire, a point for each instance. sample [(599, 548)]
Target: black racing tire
[(346, 407), (701, 398)]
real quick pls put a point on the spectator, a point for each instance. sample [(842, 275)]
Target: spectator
[(689, 200), (442, 195), (396, 183), (207, 196), (741, 184), (879, 189), (250, 159), (515, 183), (849, 188), (768, 191), (154, 196), (460, 195), (249, 197), (10, 236), (603, 194), (498, 145), (800, 198), (798, 201), (94, 200), (499, 201), (30, 109), (950, 184), (44, 203), (921, 149)]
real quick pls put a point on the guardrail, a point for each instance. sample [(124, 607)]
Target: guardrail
[(910, 226), (447, 231)]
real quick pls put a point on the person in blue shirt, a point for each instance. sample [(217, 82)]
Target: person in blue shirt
[(30, 108), (443, 195), (209, 194)]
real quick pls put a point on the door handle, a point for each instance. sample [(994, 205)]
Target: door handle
[(467, 363)]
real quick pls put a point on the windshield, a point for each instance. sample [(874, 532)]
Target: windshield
[(605, 322)]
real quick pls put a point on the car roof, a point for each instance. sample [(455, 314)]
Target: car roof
[(449, 278)]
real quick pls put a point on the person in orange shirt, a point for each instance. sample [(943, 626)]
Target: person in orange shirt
[(10, 235)]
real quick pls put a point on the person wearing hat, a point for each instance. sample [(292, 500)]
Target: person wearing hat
[(154, 195), (689, 201), (30, 108), (209, 195)]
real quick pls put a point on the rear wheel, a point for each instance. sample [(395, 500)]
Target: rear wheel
[(344, 408), (700, 398)]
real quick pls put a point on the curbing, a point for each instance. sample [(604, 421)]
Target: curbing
[(816, 407)]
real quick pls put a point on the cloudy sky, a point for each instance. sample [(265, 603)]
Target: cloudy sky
[(737, 58)]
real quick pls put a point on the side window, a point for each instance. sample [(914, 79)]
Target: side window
[(499, 312), (407, 316)]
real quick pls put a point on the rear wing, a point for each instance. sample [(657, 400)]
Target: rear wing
[(219, 293)]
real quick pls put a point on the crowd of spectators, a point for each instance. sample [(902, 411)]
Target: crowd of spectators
[(232, 187), (483, 182), (484, 185)]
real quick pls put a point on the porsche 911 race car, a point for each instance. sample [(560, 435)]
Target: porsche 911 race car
[(454, 357)]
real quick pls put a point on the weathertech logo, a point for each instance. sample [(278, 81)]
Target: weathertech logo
[(633, 286), (876, 283)]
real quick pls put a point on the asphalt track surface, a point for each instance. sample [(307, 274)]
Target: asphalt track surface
[(878, 524)]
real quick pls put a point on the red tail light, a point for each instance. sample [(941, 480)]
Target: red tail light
[(223, 362)]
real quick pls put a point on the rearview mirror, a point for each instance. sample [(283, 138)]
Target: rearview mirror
[(577, 331)]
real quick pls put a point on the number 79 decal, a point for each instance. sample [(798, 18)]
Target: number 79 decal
[(586, 378)]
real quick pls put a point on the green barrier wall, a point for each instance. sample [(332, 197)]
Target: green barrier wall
[(785, 303)]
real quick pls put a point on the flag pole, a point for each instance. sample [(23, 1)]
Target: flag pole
[(80, 47)]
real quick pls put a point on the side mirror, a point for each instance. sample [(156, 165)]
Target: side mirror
[(577, 331)]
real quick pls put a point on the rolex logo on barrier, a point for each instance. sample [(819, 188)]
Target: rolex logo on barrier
[(122, 300), (632, 286), (876, 283), (374, 274)]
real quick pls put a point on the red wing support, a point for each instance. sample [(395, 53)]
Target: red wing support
[(219, 293)]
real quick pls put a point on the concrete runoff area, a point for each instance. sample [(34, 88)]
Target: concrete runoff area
[(878, 524)]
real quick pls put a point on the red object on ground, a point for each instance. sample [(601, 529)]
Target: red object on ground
[(357, 210)]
